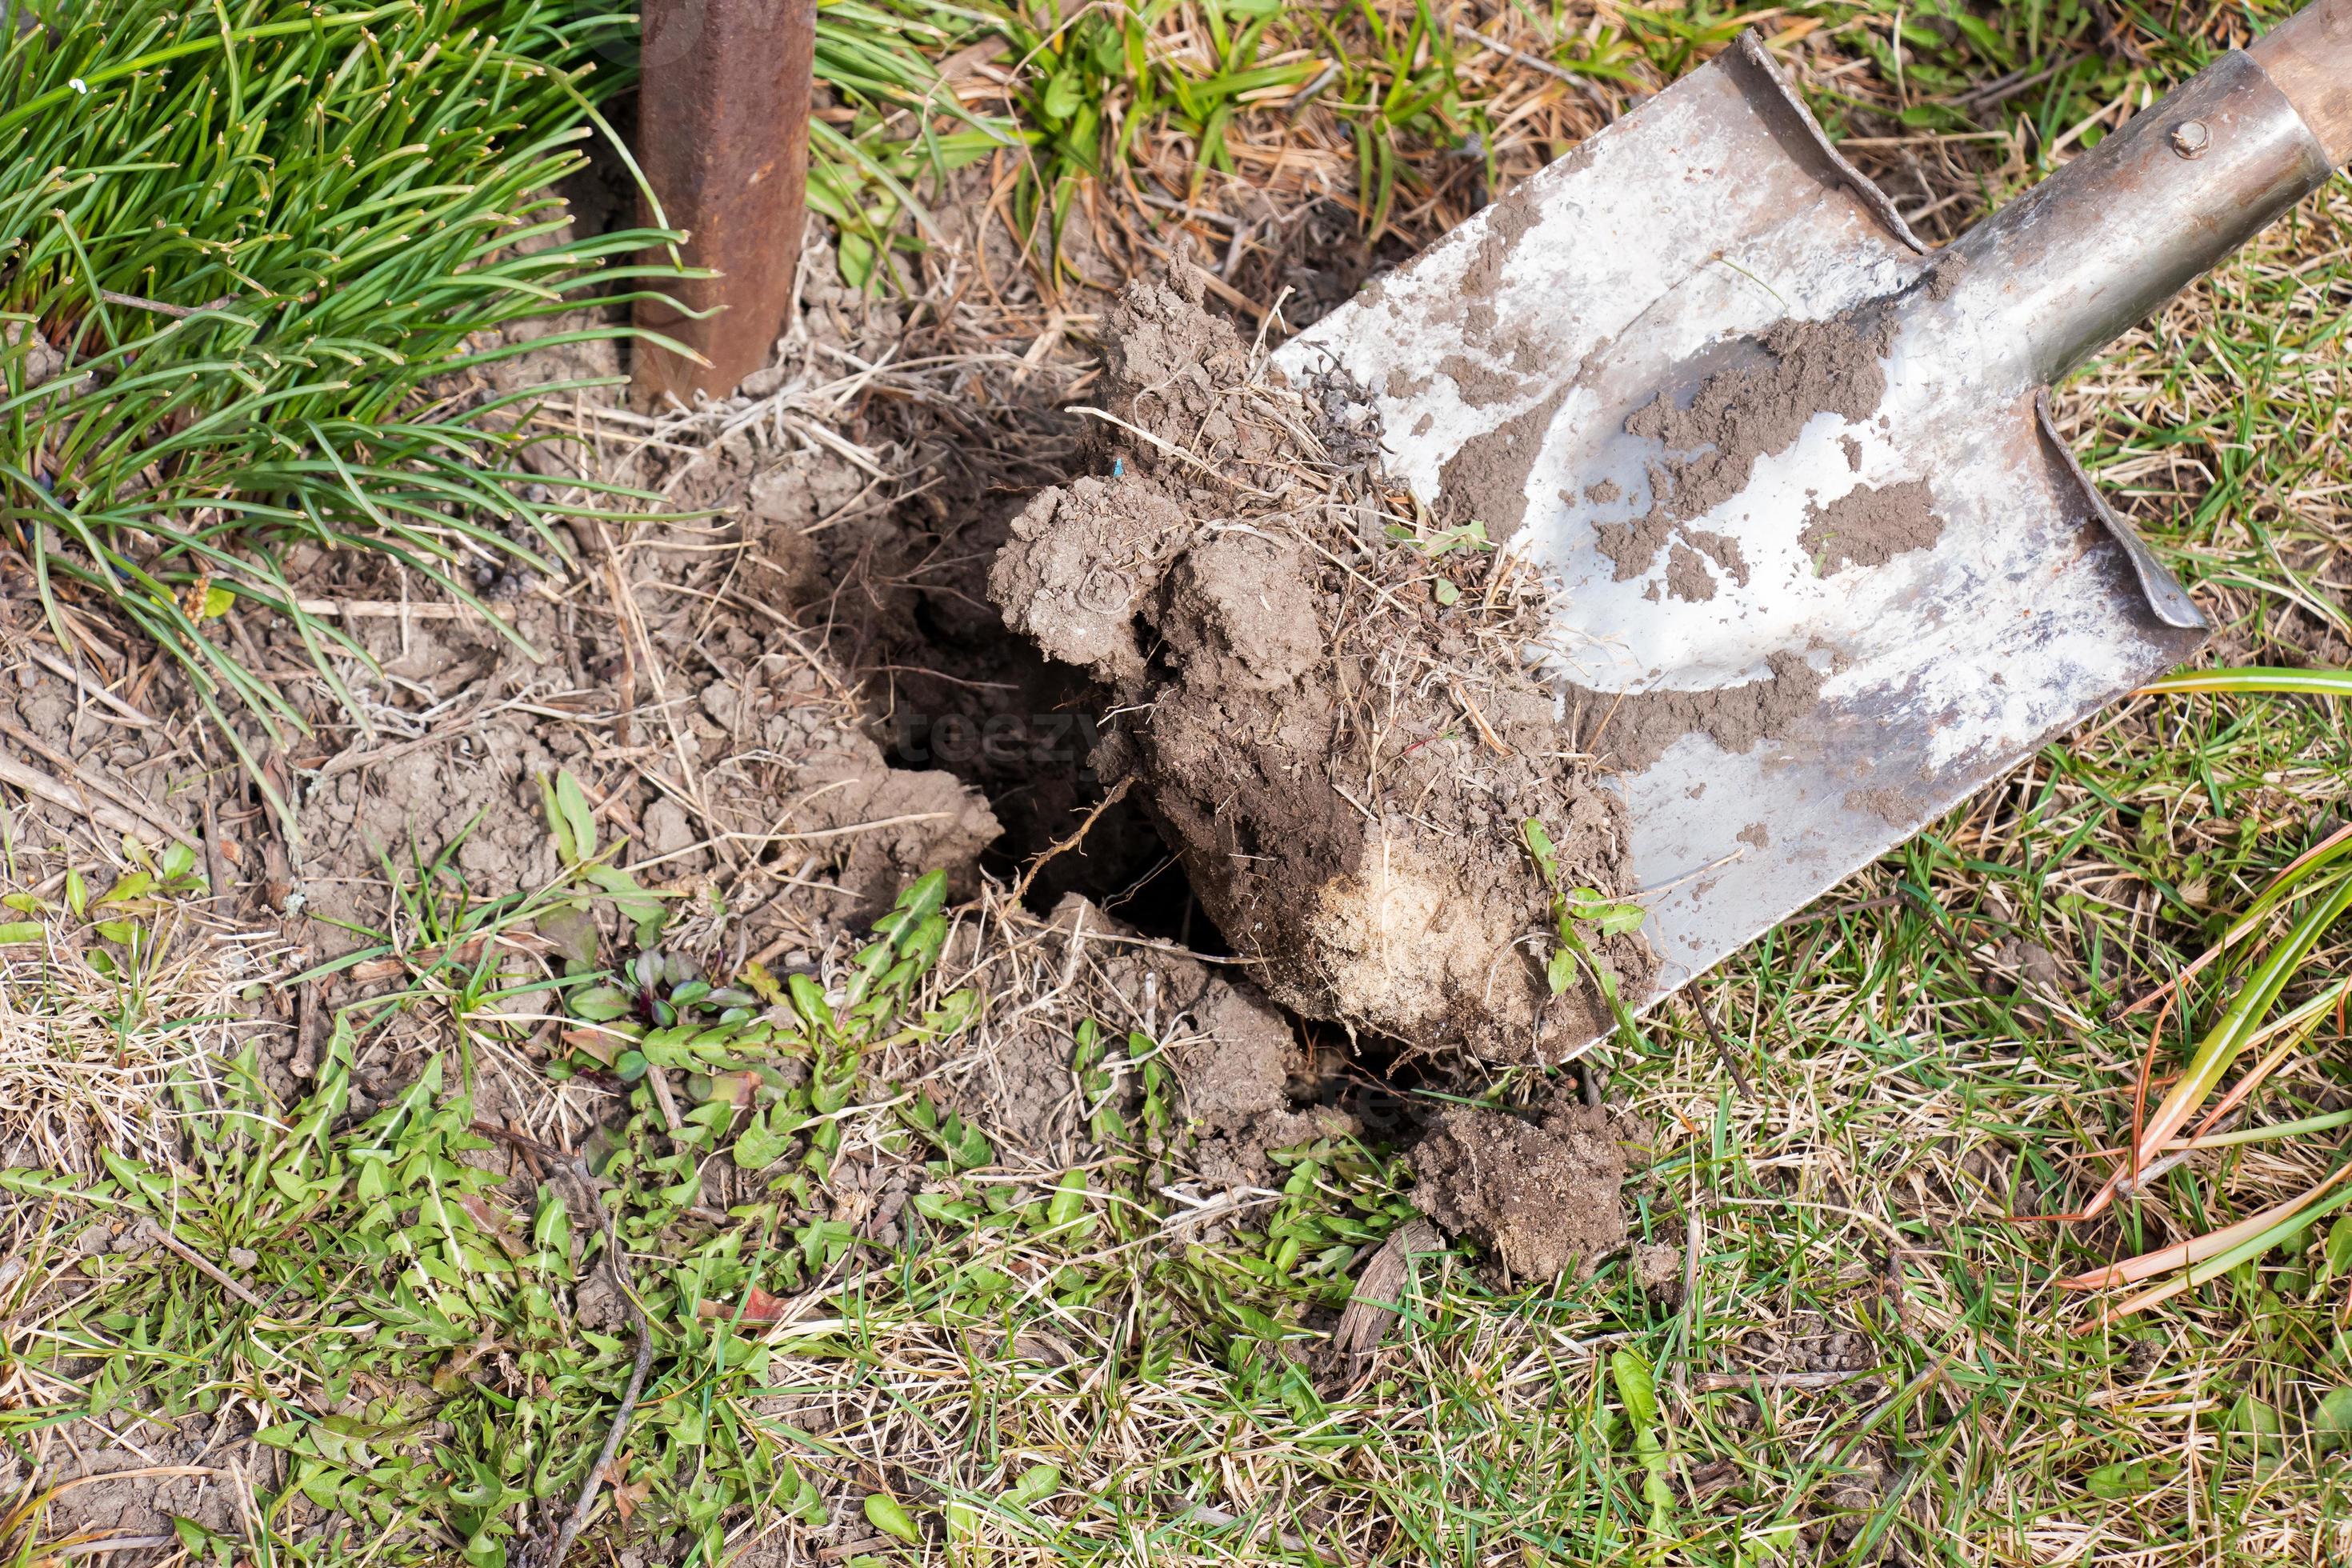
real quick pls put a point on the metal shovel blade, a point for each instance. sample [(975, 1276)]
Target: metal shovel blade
[(1888, 678)]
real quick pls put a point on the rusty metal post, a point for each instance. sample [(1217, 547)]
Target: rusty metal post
[(722, 136)]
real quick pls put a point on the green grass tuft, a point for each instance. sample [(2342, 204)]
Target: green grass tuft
[(240, 248)]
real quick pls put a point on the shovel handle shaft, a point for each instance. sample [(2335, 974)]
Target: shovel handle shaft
[(2309, 57), (2067, 267)]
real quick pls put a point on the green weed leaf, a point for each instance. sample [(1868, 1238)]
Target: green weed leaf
[(2331, 1421), (636, 903), (601, 1005), (1540, 846), (757, 1145), (1637, 1388), (1613, 917), (2117, 1481), (128, 888), (1069, 1200), (579, 821), (889, 1516), (2340, 1249), (1037, 1483)]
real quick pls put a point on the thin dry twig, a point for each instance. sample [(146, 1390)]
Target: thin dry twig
[(155, 827), (55, 792)]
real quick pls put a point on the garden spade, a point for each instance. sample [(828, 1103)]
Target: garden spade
[(1818, 562)]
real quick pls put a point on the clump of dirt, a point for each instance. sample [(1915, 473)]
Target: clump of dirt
[(1755, 408), (1633, 731), (1235, 1056), (1870, 527), (1657, 1269), (1687, 574), (1487, 478), (1333, 730), (1541, 1196)]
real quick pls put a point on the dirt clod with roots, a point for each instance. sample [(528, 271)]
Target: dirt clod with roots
[(1324, 703), (1539, 1195)]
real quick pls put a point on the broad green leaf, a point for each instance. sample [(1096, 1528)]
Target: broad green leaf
[(759, 1145), (808, 1001), (1037, 1483), (15, 932), (1636, 1386), (2255, 1419), (635, 902), (2331, 1421), (572, 931), (1614, 916), (939, 1207), (602, 1004), (579, 821), (2121, 1480), (855, 257), (889, 1516), (1060, 99), (126, 889), (1069, 1200), (551, 1228), (1539, 845), (557, 827)]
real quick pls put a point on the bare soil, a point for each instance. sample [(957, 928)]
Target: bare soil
[(1246, 1083), (1633, 731)]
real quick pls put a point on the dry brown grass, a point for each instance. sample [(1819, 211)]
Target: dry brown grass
[(105, 1048)]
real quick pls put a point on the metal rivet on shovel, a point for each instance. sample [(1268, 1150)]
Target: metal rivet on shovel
[(2190, 138)]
